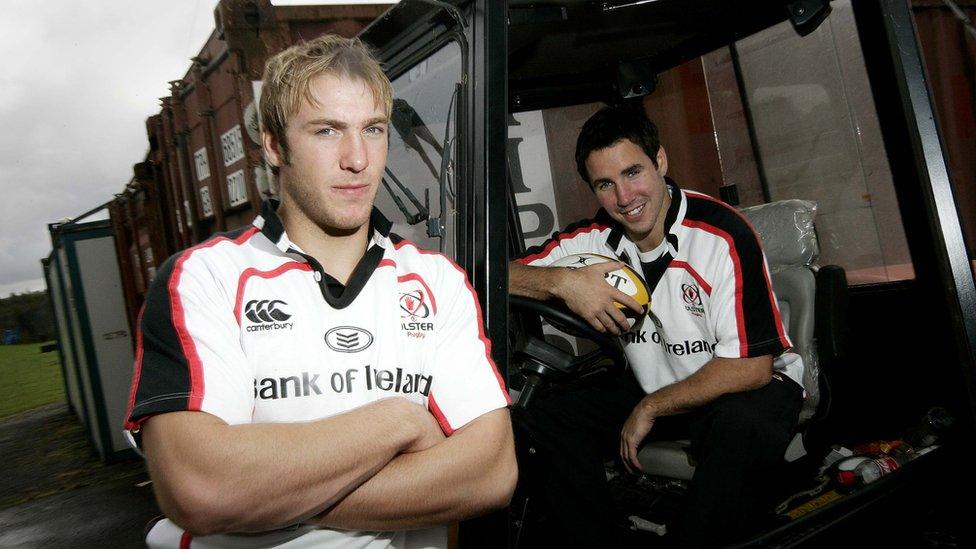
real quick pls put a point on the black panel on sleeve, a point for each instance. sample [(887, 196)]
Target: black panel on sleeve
[(164, 376), (164, 383), (761, 321)]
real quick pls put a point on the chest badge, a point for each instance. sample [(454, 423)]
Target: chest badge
[(267, 314), (416, 309), (691, 295), (348, 339)]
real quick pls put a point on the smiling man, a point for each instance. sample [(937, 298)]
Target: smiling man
[(708, 364), (315, 380)]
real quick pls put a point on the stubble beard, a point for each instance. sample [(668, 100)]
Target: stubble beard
[(314, 208)]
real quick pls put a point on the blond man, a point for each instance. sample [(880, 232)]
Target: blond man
[(314, 379)]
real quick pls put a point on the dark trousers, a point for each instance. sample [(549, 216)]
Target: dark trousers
[(737, 442)]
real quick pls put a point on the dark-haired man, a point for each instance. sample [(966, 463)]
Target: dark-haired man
[(710, 361)]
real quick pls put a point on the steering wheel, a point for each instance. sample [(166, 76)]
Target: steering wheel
[(544, 363)]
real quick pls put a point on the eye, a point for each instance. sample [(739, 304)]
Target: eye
[(634, 172), (374, 130), (604, 185), (326, 131)]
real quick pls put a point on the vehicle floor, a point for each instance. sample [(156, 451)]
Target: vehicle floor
[(942, 524), (57, 493)]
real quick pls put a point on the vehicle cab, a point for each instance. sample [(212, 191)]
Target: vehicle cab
[(757, 103)]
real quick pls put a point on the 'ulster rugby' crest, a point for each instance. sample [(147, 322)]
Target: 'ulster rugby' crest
[(413, 304), (417, 306)]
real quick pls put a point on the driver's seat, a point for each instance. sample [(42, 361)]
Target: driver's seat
[(813, 302)]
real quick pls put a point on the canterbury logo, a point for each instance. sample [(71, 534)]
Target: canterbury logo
[(265, 310), (348, 339)]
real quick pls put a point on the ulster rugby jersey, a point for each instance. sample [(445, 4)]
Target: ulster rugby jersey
[(711, 291), (243, 327)]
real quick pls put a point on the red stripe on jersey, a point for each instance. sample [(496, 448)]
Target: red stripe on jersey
[(418, 278), (386, 263), (136, 376), (477, 306), (435, 410), (185, 540), (552, 245), (737, 268), (179, 317), (675, 264), (250, 272), (784, 340)]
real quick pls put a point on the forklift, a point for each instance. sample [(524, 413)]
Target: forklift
[(814, 118)]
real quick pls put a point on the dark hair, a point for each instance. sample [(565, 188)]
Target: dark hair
[(611, 124)]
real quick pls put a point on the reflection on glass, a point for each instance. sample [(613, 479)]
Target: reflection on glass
[(819, 137), (420, 173)]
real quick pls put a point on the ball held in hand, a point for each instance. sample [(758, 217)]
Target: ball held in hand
[(625, 279)]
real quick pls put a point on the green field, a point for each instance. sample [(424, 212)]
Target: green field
[(28, 378)]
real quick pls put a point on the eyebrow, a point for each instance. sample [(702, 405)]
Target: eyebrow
[(624, 171), (341, 125), (632, 167)]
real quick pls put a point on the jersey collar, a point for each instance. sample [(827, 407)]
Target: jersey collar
[(271, 227), (616, 240), (379, 230)]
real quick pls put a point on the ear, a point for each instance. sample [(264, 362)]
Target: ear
[(662, 161), (273, 151)]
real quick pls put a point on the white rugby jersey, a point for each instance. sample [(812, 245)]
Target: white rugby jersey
[(243, 327), (711, 292)]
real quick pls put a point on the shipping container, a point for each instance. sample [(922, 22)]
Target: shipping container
[(204, 172), (94, 338), (212, 117)]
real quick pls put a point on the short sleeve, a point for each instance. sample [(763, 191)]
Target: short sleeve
[(746, 317), (587, 236), (188, 351), (466, 382)]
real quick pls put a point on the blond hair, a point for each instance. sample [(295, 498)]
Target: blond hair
[(288, 76)]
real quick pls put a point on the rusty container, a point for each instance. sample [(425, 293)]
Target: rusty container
[(208, 125), (204, 172)]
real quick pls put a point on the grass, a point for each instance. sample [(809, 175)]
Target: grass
[(28, 378)]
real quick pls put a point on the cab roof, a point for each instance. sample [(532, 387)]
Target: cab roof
[(571, 51)]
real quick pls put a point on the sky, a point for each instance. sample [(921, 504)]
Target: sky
[(77, 82)]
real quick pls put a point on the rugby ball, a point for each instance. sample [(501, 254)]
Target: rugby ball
[(625, 279)]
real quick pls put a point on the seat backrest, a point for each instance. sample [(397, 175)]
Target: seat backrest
[(790, 244)]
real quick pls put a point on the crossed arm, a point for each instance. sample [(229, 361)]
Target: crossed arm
[(384, 466)]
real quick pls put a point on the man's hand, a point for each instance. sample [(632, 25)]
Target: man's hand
[(635, 429), (468, 474), (586, 292), (717, 377)]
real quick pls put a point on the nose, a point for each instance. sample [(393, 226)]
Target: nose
[(354, 157), (623, 193)]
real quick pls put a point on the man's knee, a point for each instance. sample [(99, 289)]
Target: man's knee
[(742, 422)]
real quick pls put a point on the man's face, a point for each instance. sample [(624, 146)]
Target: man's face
[(632, 189), (337, 149)]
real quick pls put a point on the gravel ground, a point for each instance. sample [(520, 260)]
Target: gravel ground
[(54, 492)]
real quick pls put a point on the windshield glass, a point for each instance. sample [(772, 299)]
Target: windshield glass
[(418, 193), (772, 117)]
